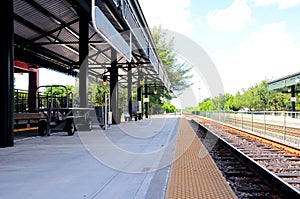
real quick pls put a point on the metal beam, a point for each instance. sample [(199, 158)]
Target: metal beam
[(43, 51), (146, 103), (50, 15), (293, 98), (7, 74), (54, 30), (114, 87), (140, 96), (39, 30), (32, 58), (83, 59), (82, 7), (129, 90), (33, 84)]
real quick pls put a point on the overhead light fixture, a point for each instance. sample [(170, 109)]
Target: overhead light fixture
[(155, 89), (142, 81), (104, 82), (32, 67)]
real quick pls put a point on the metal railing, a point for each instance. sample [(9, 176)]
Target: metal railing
[(277, 125), (20, 100)]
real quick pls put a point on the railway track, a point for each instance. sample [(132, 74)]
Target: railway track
[(265, 127), (253, 168)]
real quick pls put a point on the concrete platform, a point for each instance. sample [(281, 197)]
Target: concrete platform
[(130, 160)]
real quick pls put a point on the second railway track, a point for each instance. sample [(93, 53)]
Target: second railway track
[(265, 127)]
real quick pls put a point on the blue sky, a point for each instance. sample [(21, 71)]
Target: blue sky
[(248, 40)]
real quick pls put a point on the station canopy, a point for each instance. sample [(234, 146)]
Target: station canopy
[(46, 34), (283, 83)]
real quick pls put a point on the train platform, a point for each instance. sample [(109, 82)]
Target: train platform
[(132, 160)]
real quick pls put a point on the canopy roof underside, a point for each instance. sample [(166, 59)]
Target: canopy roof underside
[(46, 34)]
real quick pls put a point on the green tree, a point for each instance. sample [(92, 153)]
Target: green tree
[(62, 95), (206, 105), (169, 108), (58, 90), (298, 102), (232, 103), (239, 101), (178, 73), (256, 98), (100, 95), (278, 101), (262, 96)]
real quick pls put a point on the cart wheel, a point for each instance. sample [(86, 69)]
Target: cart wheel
[(71, 130), (42, 128), (70, 127)]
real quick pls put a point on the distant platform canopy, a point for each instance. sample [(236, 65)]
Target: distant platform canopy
[(284, 83)]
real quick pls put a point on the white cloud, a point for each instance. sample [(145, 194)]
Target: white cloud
[(282, 4), (232, 18), (270, 53), (173, 15)]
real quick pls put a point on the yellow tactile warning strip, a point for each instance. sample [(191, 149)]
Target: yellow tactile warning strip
[(194, 174)]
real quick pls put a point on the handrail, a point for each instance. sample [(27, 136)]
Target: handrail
[(284, 126)]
